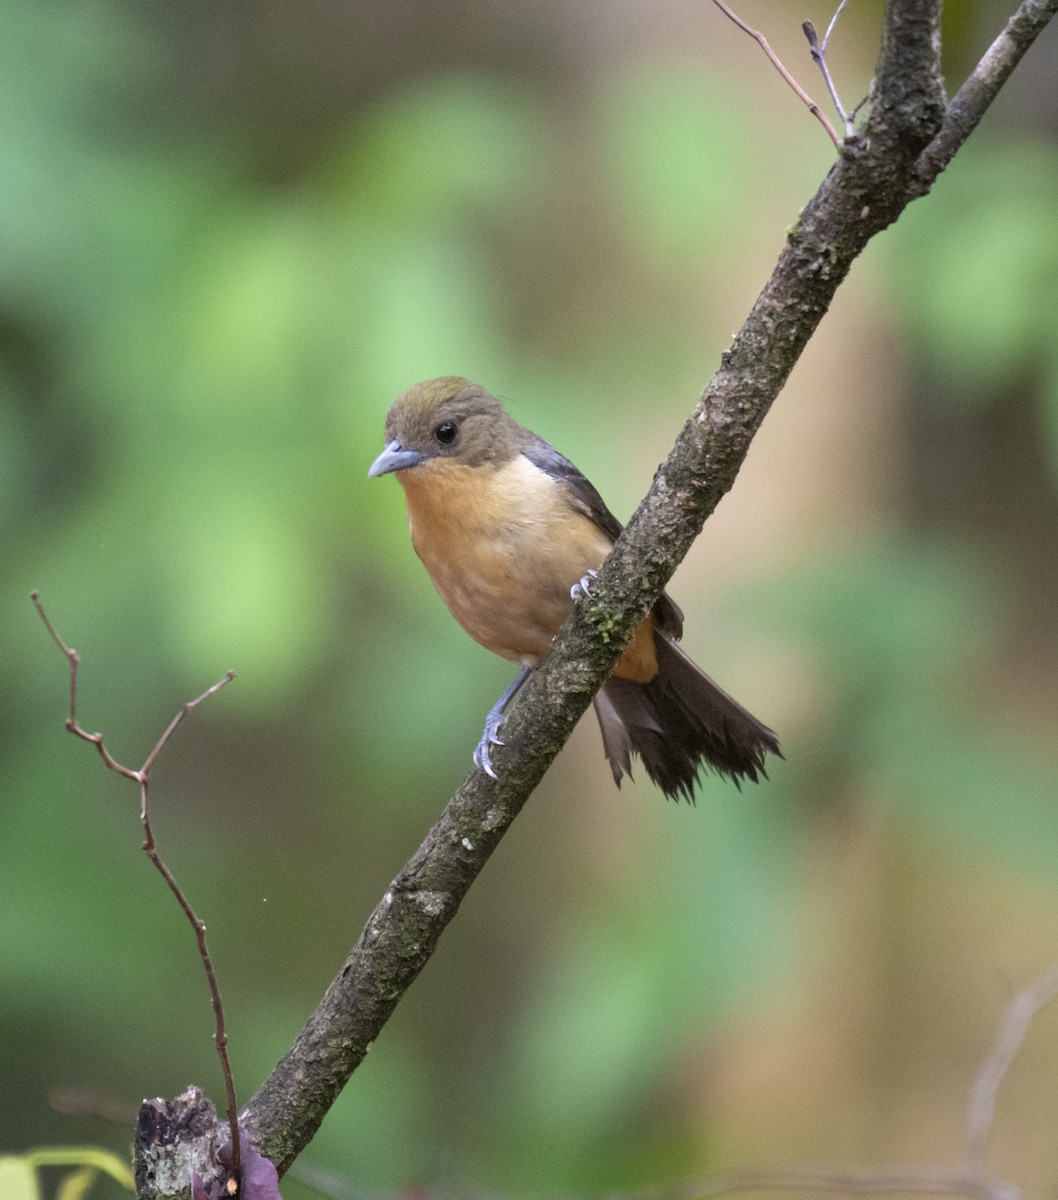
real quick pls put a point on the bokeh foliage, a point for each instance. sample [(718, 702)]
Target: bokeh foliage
[(196, 352)]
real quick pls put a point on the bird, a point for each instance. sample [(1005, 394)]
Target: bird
[(509, 531)]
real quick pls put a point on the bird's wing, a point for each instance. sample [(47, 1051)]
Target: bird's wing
[(579, 490), (585, 498)]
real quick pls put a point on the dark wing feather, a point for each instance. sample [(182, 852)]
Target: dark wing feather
[(584, 497)]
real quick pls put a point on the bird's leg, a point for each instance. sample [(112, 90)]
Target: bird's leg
[(583, 586), (482, 758)]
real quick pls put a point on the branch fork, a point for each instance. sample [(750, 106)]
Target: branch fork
[(142, 777)]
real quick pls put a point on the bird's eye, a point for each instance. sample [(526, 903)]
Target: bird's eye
[(446, 432)]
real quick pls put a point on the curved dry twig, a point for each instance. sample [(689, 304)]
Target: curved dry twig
[(980, 1111), (142, 778)]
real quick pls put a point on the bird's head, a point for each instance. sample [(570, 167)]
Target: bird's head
[(448, 419)]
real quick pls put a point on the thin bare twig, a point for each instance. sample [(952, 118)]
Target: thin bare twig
[(818, 51), (142, 778), (777, 63), (830, 27), (1015, 1025)]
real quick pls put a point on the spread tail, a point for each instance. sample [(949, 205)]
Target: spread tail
[(678, 721)]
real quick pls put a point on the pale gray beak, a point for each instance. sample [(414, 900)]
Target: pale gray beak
[(394, 458)]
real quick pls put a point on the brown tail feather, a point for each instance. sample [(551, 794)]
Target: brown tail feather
[(678, 721)]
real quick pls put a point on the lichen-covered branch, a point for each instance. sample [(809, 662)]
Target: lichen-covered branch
[(908, 137)]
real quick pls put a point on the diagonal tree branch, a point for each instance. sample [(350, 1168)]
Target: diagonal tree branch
[(907, 139), (982, 85)]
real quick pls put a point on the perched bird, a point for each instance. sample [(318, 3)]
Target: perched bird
[(508, 529)]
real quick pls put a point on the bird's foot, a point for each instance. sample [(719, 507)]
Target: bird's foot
[(482, 757), (583, 586)]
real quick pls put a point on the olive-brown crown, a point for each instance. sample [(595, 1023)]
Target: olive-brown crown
[(450, 417)]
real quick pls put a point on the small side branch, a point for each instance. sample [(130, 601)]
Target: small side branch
[(142, 778), (1015, 1025), (777, 63), (972, 100), (818, 50)]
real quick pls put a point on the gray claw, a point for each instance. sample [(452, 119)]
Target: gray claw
[(583, 585), (482, 760), (482, 757)]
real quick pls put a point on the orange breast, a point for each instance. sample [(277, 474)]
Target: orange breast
[(503, 547)]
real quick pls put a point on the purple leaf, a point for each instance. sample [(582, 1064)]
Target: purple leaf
[(198, 1188), (260, 1179)]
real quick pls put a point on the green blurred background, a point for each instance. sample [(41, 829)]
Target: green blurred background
[(230, 234)]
